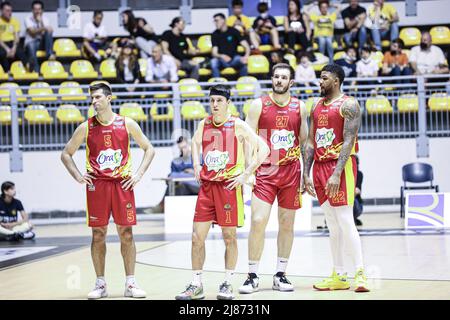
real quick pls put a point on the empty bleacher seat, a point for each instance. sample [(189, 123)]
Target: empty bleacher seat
[(439, 101), (40, 91), (65, 47), (82, 69), (228, 72), (133, 111), (53, 70), (37, 114), (233, 110), (193, 110), (71, 91), (378, 104), (338, 55), (321, 61), (189, 88), (440, 35), (292, 60), (161, 116), (5, 91), (248, 85), (217, 80), (69, 113), (5, 115), (19, 72), (408, 103), (410, 36), (258, 64), (108, 68), (204, 44)]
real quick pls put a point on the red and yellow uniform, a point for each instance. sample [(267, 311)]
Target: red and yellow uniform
[(279, 175), (108, 160), (223, 158), (328, 139)]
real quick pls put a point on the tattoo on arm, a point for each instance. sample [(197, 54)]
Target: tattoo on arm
[(352, 119), (308, 149)]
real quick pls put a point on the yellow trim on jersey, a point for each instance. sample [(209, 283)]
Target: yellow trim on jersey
[(222, 123), (332, 101), (277, 104), (350, 181), (240, 206)]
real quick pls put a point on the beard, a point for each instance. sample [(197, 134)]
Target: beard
[(281, 90), (323, 92)]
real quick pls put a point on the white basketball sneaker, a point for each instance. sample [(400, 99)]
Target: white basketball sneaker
[(99, 291), (250, 285), (133, 291), (281, 283)]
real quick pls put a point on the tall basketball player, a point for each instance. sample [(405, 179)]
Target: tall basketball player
[(109, 183), (332, 145), (220, 137), (281, 121)]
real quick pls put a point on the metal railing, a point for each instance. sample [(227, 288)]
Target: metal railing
[(384, 114)]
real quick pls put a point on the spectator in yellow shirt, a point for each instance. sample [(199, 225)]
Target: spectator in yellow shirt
[(9, 37), (383, 22), (239, 21), (324, 27)]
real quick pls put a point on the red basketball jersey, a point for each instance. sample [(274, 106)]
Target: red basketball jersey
[(279, 127), (223, 155), (329, 130), (108, 149)]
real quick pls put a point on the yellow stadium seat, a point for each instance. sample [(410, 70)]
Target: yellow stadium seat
[(83, 69), (133, 111), (247, 84), (233, 110), (161, 117), (65, 47), (91, 112), (41, 54), (258, 64), (316, 46), (378, 104), (310, 102), (292, 60), (339, 55), (143, 66), (408, 103), (240, 49), (440, 35), (5, 91), (385, 43), (296, 47), (71, 91), (190, 88), (19, 72), (181, 73), (40, 91), (378, 56), (204, 72), (69, 113), (53, 70), (439, 101), (410, 36), (204, 44), (279, 20), (3, 74), (198, 59), (217, 80), (5, 115), (321, 61), (37, 114), (228, 72), (193, 110), (247, 105), (265, 48), (108, 68)]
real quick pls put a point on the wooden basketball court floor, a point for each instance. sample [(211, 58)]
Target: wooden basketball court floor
[(57, 264)]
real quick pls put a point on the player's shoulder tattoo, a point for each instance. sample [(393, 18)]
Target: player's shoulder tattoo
[(350, 108)]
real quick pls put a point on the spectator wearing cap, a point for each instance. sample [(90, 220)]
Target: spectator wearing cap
[(264, 29), (175, 44), (94, 37), (127, 66)]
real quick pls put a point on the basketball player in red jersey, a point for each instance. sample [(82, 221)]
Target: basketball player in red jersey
[(220, 137), (109, 182), (332, 145), (280, 120)]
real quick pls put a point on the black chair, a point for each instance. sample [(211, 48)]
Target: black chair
[(416, 173)]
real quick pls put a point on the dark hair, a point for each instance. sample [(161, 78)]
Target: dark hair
[(220, 89), (101, 85), (262, 7), (5, 3), (400, 42), (366, 49), (237, 3), (175, 21), (37, 2), (324, 1), (336, 70), (302, 54), (6, 186), (219, 15), (297, 3), (96, 12), (132, 21), (284, 66)]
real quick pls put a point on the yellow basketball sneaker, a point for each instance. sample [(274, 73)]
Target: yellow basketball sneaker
[(334, 282), (361, 281)]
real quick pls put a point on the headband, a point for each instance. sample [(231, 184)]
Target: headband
[(215, 92)]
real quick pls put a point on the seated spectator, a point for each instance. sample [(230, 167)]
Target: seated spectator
[(239, 21), (354, 16), (94, 37), (304, 73), (142, 33), (264, 29), (358, 204), (383, 22), (175, 44), (39, 36), (161, 68), (348, 62), (9, 38), (13, 227), (324, 27), (427, 58), (277, 57), (395, 62), (225, 41), (127, 66), (297, 28), (367, 67)]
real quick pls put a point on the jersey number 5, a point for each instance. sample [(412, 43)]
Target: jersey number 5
[(107, 139)]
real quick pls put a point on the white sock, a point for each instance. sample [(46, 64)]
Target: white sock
[(131, 280), (228, 275), (282, 264), (101, 280), (336, 237), (197, 277), (352, 241), (253, 266)]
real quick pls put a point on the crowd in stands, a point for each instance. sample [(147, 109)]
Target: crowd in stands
[(306, 32)]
